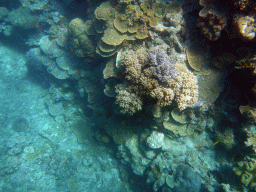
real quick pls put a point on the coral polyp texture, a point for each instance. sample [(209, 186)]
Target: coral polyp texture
[(164, 65), (154, 75), (128, 102)]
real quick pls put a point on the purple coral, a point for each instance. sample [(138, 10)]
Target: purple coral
[(164, 65)]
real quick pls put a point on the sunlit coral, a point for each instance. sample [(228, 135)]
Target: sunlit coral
[(245, 26), (185, 87)]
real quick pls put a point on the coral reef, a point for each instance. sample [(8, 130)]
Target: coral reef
[(185, 88), (215, 15), (184, 180), (159, 167), (245, 26), (197, 56), (227, 138), (245, 5)]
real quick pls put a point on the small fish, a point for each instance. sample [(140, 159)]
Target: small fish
[(155, 127), (213, 145)]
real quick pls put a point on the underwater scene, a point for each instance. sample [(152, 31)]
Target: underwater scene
[(128, 95)]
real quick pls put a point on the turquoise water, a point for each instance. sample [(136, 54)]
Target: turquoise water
[(126, 96)]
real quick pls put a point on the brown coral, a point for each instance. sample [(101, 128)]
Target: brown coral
[(81, 43), (211, 23), (131, 66), (245, 5), (164, 96)]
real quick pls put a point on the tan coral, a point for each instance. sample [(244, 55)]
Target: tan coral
[(110, 88), (197, 55), (81, 43), (180, 116), (211, 22), (110, 69), (142, 56), (161, 9), (113, 37), (185, 88), (124, 26), (177, 130), (131, 66), (128, 102), (164, 96), (105, 12)]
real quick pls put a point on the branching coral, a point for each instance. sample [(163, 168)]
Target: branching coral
[(128, 102), (247, 172), (178, 83), (185, 87), (164, 65), (164, 96), (247, 62), (245, 5)]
